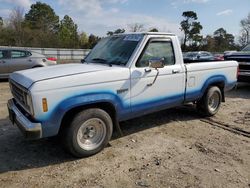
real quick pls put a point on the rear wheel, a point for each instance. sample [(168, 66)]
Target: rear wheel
[(89, 132), (210, 103)]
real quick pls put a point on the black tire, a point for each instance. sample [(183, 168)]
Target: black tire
[(88, 126), (210, 103)]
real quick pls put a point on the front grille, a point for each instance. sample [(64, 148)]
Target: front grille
[(20, 94)]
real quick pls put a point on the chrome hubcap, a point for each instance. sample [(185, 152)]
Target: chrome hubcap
[(91, 134), (214, 101)]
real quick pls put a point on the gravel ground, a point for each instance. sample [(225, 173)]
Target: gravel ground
[(172, 148)]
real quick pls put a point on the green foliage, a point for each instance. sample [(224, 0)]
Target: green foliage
[(220, 41), (93, 40), (40, 27), (1, 22), (191, 28), (84, 40), (6, 37), (136, 27), (68, 35), (223, 40), (153, 30), (118, 31), (42, 17), (244, 38)]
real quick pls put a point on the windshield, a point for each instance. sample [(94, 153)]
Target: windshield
[(114, 50), (246, 49)]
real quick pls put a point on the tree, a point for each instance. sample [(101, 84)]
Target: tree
[(242, 39), (83, 40), (223, 40), (16, 19), (68, 35), (42, 17), (209, 43), (136, 27), (42, 24), (190, 27), (93, 40), (1, 22), (245, 31), (153, 30), (118, 31)]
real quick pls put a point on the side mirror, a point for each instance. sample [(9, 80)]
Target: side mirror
[(156, 64)]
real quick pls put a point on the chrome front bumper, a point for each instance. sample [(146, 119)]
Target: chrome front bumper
[(31, 130)]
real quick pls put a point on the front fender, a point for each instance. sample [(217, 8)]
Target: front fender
[(52, 125)]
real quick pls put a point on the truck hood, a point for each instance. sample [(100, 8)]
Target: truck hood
[(27, 77)]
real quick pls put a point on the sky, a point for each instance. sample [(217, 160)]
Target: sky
[(99, 16)]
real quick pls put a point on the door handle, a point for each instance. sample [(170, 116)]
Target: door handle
[(175, 71), (147, 70)]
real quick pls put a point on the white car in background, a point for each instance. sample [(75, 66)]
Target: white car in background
[(12, 60)]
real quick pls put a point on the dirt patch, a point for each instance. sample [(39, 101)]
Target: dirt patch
[(172, 148)]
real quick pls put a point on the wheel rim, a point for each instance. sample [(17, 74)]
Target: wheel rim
[(91, 134), (214, 102)]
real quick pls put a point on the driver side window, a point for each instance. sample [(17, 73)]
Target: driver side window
[(157, 50)]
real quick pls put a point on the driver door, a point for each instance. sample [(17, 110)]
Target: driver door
[(167, 90)]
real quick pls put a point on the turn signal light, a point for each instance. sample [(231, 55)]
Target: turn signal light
[(45, 105)]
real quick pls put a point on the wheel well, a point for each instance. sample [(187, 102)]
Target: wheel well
[(106, 106), (221, 86)]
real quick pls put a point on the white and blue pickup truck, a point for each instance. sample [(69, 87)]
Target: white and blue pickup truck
[(123, 77)]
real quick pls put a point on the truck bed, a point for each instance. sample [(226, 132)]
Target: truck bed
[(200, 75)]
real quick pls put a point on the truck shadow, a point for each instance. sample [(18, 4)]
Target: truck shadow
[(19, 154), (241, 91), (162, 118)]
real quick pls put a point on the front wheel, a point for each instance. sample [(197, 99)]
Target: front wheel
[(88, 133), (210, 103)]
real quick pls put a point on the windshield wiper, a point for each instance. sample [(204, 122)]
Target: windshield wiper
[(104, 61), (99, 59), (116, 63)]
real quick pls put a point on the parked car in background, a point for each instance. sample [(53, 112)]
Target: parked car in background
[(199, 56), (243, 57), (219, 57), (12, 60)]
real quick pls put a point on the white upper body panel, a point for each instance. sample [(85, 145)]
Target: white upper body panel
[(28, 77)]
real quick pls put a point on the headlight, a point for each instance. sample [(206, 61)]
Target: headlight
[(29, 103)]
